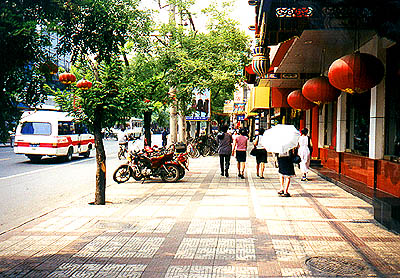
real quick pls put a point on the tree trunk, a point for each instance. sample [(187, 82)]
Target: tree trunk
[(173, 123), (100, 195), (182, 128), (197, 130), (146, 126)]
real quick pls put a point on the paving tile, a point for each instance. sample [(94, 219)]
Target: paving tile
[(204, 226)]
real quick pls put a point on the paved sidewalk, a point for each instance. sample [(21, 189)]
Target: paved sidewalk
[(207, 226)]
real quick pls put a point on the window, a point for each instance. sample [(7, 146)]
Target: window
[(357, 135), (80, 128), (36, 128), (66, 128), (392, 117), (330, 117)]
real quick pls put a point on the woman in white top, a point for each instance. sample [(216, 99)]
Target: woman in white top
[(304, 152), (261, 154)]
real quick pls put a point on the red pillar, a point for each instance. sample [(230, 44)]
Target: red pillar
[(302, 119), (315, 131)]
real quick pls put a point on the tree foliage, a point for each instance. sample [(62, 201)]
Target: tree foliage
[(97, 33), (211, 60), (23, 39)]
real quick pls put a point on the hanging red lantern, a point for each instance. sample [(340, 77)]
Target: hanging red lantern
[(319, 90), (84, 84), (66, 78), (296, 100), (356, 73)]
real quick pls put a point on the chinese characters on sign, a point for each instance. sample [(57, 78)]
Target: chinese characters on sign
[(239, 108)]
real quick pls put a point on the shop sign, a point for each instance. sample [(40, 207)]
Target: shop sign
[(239, 108), (283, 76), (290, 75), (201, 105), (238, 96), (228, 106), (240, 117)]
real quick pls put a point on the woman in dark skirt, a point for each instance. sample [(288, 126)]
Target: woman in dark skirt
[(286, 172)]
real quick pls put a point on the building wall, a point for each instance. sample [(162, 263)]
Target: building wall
[(373, 171)]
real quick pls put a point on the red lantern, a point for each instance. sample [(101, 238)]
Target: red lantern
[(84, 84), (319, 90), (356, 73), (297, 101), (66, 78)]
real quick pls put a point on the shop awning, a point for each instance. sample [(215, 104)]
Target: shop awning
[(314, 48), (280, 54), (260, 98)]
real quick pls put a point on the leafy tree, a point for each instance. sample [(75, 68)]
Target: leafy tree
[(97, 33), (212, 60), (23, 41)]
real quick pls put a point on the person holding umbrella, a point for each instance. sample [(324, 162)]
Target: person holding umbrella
[(240, 147), (286, 171), (282, 139)]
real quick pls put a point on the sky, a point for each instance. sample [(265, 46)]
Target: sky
[(241, 12)]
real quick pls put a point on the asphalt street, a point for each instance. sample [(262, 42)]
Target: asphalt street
[(31, 189)]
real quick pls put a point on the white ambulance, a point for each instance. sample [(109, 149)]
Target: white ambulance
[(51, 133)]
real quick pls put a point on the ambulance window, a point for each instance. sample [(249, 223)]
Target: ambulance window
[(80, 128), (66, 128), (36, 128)]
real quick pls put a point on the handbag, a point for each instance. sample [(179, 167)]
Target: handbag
[(295, 158), (254, 151)]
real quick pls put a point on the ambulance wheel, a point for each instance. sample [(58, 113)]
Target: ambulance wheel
[(34, 158), (68, 157)]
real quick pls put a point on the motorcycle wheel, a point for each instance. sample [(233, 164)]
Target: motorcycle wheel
[(122, 174), (181, 173), (136, 174), (172, 174)]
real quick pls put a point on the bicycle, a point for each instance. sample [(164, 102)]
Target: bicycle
[(123, 151)]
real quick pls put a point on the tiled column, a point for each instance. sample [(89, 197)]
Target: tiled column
[(377, 122), (377, 110), (308, 119), (315, 132), (341, 123), (321, 126)]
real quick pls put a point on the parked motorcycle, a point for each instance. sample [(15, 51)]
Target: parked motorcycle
[(183, 163), (142, 167)]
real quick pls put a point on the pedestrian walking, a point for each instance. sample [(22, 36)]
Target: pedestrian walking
[(261, 154), (164, 136), (304, 151), (224, 150), (240, 148), (286, 171)]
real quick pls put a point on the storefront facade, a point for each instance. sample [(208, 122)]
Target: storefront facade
[(358, 134)]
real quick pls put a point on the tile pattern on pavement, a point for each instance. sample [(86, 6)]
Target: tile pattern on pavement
[(206, 226)]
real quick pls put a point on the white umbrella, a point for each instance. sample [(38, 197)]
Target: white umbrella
[(280, 138)]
